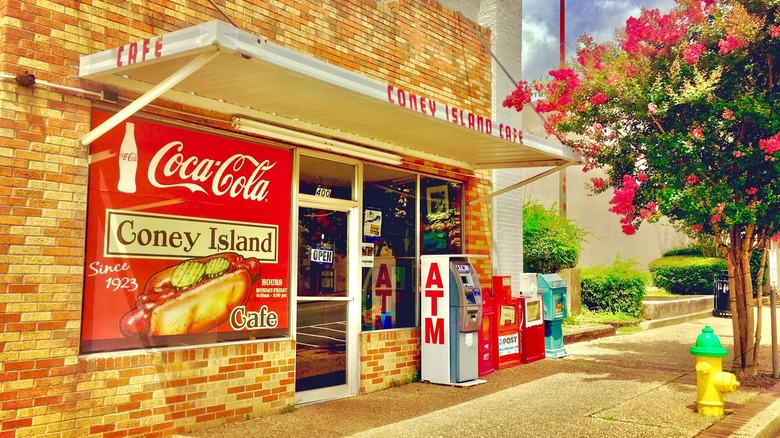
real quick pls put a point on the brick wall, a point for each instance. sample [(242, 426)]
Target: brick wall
[(479, 238), (46, 387), (388, 358)]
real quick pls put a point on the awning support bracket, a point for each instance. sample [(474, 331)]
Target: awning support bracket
[(155, 92), (522, 183)]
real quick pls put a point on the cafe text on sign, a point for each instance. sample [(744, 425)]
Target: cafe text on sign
[(139, 51)]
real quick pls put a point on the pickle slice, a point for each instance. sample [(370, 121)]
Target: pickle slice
[(216, 266), (187, 274)]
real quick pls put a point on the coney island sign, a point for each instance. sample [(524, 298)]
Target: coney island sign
[(187, 238)]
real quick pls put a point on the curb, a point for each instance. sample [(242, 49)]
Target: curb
[(656, 323), (758, 418), (588, 334)]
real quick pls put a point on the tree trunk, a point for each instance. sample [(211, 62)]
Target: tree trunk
[(761, 279), (737, 255)]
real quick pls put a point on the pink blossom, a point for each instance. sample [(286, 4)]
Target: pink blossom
[(519, 97), (751, 191), (774, 31), (652, 33), (567, 76), (692, 180), (629, 182), (697, 133), (729, 44), (594, 149), (652, 108), (559, 91), (648, 210), (693, 52), (697, 228), (598, 183), (623, 200), (598, 99), (770, 145), (739, 154), (641, 177), (718, 214), (728, 114), (628, 229), (590, 58)]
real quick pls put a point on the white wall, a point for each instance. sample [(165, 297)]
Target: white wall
[(606, 241), (504, 18)]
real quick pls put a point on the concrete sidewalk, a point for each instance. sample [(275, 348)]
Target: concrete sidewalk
[(637, 385)]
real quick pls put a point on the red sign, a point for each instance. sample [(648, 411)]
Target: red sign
[(187, 238), (434, 323)]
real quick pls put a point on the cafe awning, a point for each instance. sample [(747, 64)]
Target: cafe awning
[(222, 68)]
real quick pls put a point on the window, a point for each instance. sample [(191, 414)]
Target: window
[(326, 178), (389, 298), (441, 216)]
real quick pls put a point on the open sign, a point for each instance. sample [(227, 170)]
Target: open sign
[(319, 255)]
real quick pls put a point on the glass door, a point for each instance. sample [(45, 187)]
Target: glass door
[(323, 299), (327, 283)]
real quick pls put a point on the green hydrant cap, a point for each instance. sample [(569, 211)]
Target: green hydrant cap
[(707, 344)]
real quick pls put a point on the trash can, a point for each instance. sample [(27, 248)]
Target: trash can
[(721, 295)]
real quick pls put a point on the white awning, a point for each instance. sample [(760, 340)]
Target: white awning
[(219, 67)]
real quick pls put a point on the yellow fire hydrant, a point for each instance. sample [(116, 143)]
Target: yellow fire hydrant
[(712, 383)]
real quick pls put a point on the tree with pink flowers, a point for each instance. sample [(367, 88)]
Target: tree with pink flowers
[(682, 113)]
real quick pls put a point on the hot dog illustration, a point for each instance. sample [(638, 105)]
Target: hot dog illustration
[(193, 296)]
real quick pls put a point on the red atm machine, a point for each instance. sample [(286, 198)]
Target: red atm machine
[(507, 341)]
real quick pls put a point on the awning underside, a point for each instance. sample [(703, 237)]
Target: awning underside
[(276, 85)]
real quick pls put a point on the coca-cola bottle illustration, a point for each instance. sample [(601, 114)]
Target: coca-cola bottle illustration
[(128, 160)]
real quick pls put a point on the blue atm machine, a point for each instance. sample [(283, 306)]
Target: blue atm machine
[(465, 321)]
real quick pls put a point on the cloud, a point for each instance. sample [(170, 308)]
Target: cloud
[(597, 18)]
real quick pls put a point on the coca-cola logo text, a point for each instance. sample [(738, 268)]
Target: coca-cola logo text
[(128, 156), (239, 175)]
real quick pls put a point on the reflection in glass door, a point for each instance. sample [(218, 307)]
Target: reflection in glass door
[(323, 299)]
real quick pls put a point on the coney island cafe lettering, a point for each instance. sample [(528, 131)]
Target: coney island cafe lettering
[(458, 116)]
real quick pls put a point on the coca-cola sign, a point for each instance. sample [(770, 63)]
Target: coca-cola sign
[(240, 175), (187, 238)]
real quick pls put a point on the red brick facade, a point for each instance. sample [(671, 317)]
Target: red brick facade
[(46, 387)]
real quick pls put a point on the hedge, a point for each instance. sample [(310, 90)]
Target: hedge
[(686, 275), (619, 287), (687, 251)]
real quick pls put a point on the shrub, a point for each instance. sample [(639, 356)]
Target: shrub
[(687, 251), (550, 242), (619, 287), (685, 275)]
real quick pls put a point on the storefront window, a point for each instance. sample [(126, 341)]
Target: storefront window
[(389, 243), (441, 216)]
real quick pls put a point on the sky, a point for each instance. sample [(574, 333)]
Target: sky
[(597, 18)]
